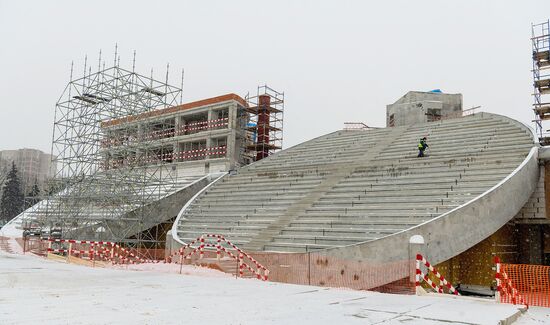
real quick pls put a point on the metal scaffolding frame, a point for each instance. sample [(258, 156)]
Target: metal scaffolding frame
[(107, 192), (540, 39), (264, 122)]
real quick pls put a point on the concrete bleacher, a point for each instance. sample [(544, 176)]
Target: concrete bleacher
[(350, 187)]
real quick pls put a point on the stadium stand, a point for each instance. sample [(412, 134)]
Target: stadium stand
[(358, 186)]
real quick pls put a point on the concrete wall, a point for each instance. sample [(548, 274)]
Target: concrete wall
[(219, 166), (191, 168), (413, 107)]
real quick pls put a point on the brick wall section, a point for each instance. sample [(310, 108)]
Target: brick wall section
[(534, 211)]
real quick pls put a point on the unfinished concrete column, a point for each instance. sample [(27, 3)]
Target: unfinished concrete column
[(231, 152), (177, 122), (232, 116), (416, 246), (209, 139)]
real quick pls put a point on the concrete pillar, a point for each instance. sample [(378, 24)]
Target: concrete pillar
[(232, 116), (209, 138), (177, 121), (232, 124), (416, 246), (183, 123)]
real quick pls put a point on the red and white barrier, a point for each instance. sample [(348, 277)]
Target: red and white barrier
[(104, 250), (260, 271), (421, 276), (113, 252), (506, 287), (72, 241)]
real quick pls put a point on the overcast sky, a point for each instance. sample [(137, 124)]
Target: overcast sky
[(336, 61)]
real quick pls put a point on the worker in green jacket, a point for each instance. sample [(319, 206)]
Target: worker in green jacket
[(422, 146)]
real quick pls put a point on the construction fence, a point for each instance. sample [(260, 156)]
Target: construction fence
[(516, 283), (323, 270), (310, 268), (532, 283), (81, 249)]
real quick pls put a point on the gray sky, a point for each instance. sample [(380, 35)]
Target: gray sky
[(336, 61)]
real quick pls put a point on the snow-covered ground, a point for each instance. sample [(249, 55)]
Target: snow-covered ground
[(535, 315), (34, 290)]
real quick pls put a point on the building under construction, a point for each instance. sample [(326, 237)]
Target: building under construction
[(128, 153), (338, 210)]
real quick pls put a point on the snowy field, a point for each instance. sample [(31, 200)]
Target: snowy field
[(38, 291)]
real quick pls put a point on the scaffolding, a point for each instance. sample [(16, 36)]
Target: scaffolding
[(104, 191), (540, 38), (264, 123)]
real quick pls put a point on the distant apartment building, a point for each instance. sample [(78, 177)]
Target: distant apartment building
[(34, 166)]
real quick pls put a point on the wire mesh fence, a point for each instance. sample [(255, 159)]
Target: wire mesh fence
[(531, 281)]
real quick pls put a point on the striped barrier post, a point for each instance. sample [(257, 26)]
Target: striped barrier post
[(181, 259), (241, 265), (69, 252), (417, 276), (112, 254), (49, 248), (92, 255), (218, 250), (421, 260), (201, 248)]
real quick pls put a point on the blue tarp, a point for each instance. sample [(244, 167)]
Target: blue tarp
[(250, 124)]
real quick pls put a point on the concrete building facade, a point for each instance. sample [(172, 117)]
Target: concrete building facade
[(420, 107), (202, 137), (34, 166)]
